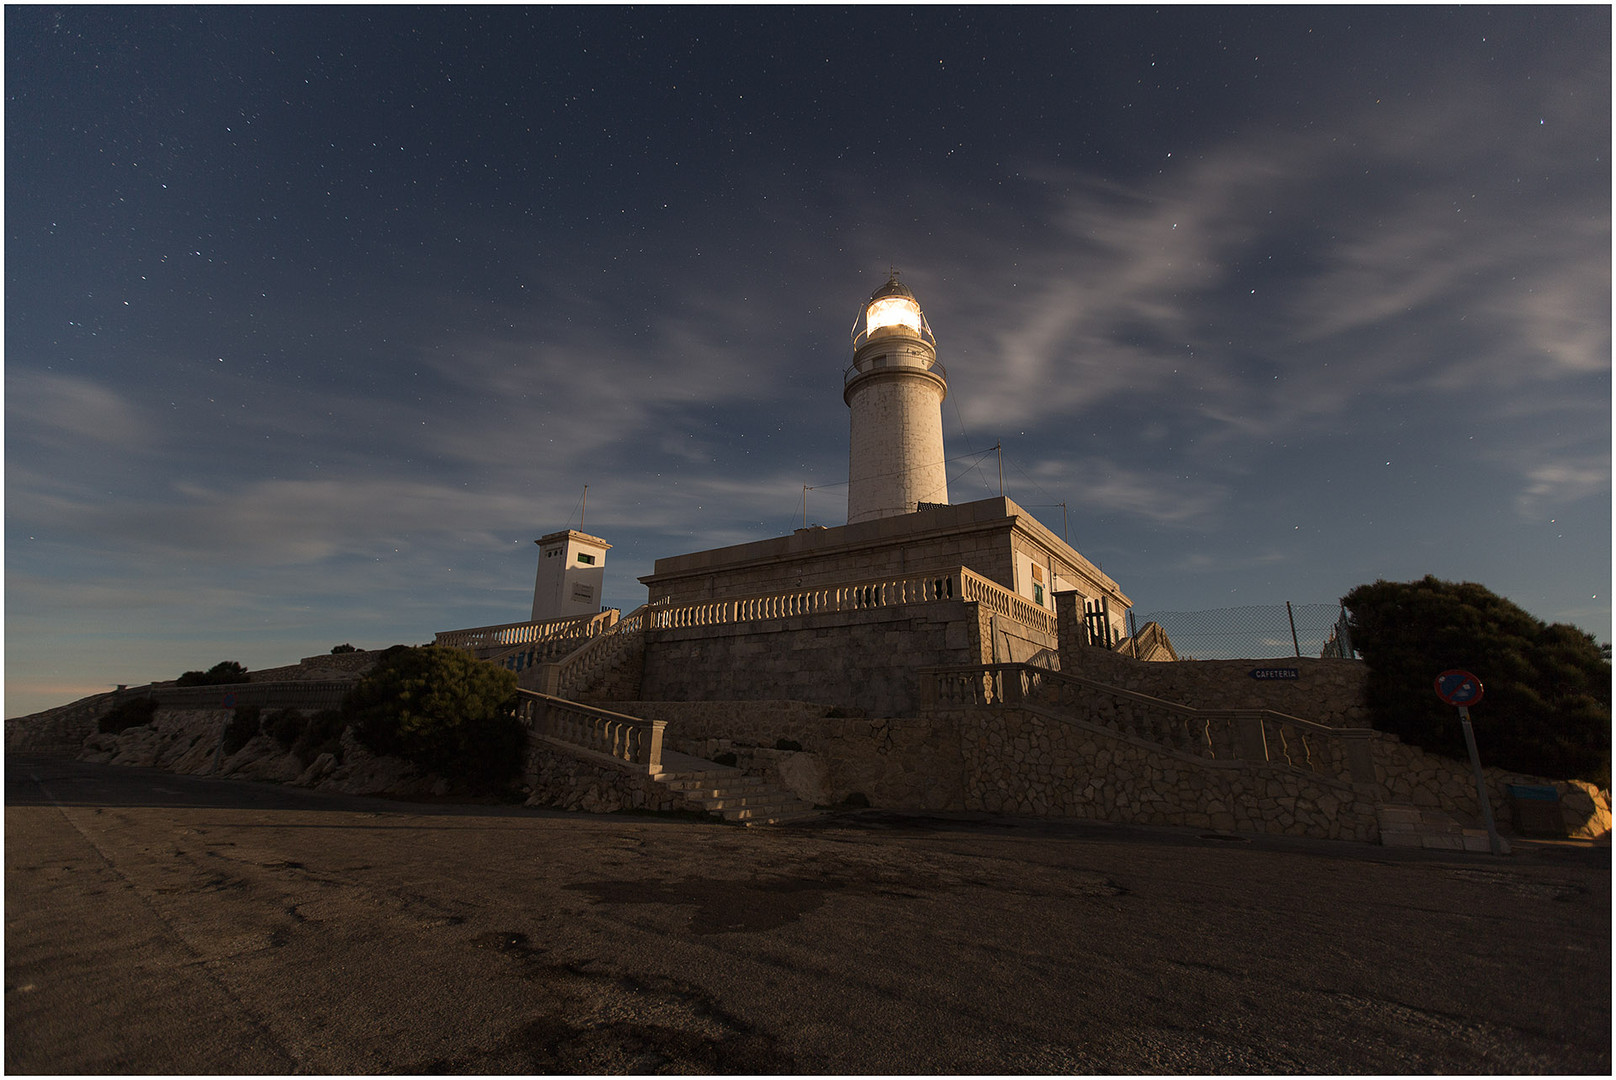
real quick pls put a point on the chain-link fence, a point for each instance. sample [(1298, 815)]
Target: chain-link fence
[(1253, 633)]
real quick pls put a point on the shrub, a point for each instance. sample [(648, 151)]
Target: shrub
[(322, 734), (284, 726), (243, 726), (343, 648), (136, 712), (225, 671), (442, 709), (1547, 691)]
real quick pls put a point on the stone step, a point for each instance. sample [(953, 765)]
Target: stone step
[(730, 801), (1429, 828), (765, 814), (731, 794), (714, 791), (704, 777)]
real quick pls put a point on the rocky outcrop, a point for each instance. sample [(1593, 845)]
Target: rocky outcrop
[(189, 741)]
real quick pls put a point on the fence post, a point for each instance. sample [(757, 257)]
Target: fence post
[(1292, 616)]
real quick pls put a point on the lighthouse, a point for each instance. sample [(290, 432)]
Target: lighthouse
[(894, 389)]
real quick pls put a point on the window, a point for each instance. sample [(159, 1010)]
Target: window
[(1038, 595), (587, 560)]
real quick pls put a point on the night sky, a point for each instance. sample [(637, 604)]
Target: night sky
[(315, 318)]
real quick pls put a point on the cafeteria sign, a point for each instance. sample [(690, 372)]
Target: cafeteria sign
[(1276, 673)]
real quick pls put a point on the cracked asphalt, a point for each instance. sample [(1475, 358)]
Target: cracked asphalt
[(168, 924)]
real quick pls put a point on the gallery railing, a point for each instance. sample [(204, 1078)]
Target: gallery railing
[(1248, 735), (628, 739)]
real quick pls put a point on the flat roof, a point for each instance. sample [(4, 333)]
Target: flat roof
[(984, 514)]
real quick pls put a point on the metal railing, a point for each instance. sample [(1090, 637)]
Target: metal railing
[(623, 738), (1243, 735)]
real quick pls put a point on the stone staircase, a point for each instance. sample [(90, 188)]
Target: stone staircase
[(729, 792)]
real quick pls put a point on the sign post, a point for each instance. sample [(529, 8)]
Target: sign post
[(1462, 690)]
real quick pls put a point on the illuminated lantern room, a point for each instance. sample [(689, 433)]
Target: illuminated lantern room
[(891, 309)]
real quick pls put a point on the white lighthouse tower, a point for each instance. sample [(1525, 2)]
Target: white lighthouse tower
[(895, 389)]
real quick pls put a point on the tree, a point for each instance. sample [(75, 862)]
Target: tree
[(343, 648), (225, 671), (1547, 689), (442, 709)]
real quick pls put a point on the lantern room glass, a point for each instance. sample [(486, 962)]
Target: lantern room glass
[(892, 311)]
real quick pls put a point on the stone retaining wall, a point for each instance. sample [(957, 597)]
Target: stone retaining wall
[(330, 666), (61, 730), (1033, 762), (1329, 692), (897, 762), (565, 781), (1324, 691), (864, 659), (1411, 776)]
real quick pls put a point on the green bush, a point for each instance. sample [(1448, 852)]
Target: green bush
[(285, 726), (136, 712), (225, 671), (243, 726), (1545, 709), (322, 734), (442, 709)]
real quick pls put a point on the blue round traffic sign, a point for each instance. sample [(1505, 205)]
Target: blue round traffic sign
[(1458, 687)]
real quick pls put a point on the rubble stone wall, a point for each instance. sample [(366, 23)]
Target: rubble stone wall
[(1029, 761), (818, 752), (1414, 777), (865, 659)]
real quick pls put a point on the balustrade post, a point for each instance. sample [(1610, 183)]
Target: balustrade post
[(651, 746), (1010, 686)]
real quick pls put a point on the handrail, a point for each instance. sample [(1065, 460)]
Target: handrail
[(524, 633), (575, 671), (1249, 735), (628, 739)]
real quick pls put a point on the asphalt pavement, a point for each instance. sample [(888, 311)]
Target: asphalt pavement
[(171, 924)]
